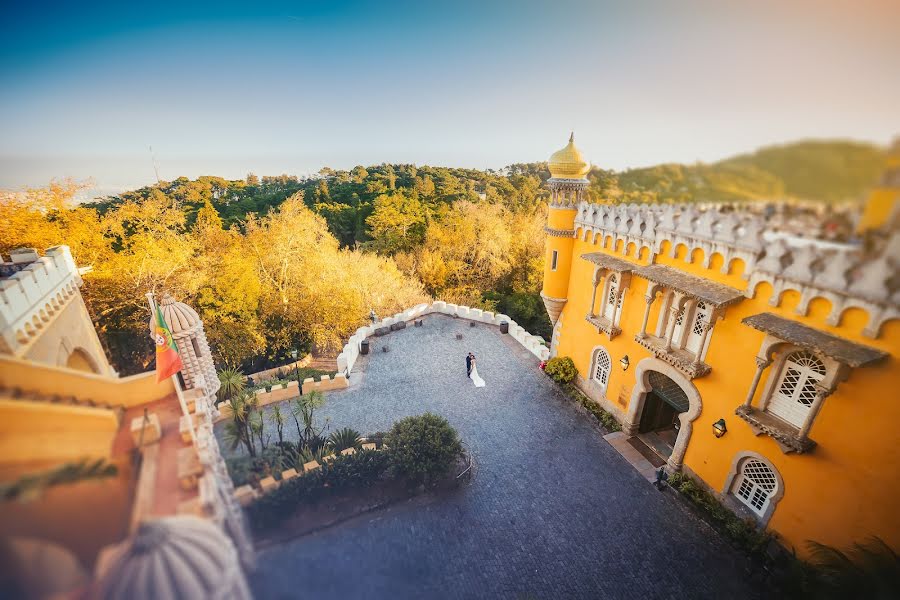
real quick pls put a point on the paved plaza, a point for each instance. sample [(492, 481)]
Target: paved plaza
[(552, 512)]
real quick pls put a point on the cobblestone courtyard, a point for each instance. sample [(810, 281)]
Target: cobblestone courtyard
[(553, 511)]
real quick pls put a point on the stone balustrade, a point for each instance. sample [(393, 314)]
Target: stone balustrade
[(534, 344)]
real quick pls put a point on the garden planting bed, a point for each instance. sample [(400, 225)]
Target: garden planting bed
[(337, 507)]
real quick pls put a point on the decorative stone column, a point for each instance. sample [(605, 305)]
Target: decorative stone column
[(594, 299), (649, 300), (707, 327), (761, 364), (670, 329), (821, 393)]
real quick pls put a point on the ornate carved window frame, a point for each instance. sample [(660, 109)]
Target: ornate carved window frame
[(595, 356), (734, 473)]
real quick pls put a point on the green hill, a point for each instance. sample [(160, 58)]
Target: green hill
[(830, 171)]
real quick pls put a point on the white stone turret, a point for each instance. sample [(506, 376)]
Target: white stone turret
[(187, 331)]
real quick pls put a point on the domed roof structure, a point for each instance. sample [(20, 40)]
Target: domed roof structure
[(569, 163), (174, 557), (178, 315)]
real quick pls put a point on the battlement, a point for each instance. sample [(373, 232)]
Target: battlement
[(844, 274), (32, 289)]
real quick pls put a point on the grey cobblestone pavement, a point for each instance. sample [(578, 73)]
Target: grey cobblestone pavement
[(553, 511)]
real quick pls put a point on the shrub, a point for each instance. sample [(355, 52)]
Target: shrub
[(608, 421), (743, 532), (355, 471), (423, 447), (870, 569), (561, 369), (344, 438)]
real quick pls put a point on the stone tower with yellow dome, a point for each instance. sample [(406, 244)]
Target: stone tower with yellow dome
[(567, 183)]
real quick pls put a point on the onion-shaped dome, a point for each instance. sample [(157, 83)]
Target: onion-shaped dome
[(35, 568), (569, 163), (174, 557), (178, 315)]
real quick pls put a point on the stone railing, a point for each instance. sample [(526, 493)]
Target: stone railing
[(347, 358), (840, 273), (32, 294)]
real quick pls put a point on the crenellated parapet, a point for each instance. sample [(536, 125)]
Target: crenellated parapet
[(33, 289), (841, 273), (732, 234), (845, 276)]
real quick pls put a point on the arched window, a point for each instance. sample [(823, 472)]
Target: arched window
[(612, 301), (796, 391), (695, 336), (755, 485), (602, 365)]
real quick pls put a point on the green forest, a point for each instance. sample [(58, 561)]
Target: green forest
[(280, 263)]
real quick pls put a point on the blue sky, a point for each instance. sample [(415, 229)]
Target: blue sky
[(226, 88)]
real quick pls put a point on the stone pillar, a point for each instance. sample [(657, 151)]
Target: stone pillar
[(761, 364), (594, 299), (707, 326), (670, 329), (821, 394), (649, 300)]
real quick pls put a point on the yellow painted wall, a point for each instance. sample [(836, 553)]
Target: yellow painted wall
[(556, 283), (48, 380), (841, 492), (83, 517), (40, 433)]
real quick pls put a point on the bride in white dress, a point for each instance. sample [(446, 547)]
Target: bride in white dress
[(473, 374)]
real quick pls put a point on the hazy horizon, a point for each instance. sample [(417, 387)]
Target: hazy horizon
[(225, 89)]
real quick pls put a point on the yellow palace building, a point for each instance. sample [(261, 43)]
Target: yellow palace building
[(762, 363)]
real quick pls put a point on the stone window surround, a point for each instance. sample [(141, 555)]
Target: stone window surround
[(673, 302), (639, 394), (608, 325), (595, 355), (774, 352), (734, 473)]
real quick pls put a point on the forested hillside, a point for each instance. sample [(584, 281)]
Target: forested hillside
[(275, 264)]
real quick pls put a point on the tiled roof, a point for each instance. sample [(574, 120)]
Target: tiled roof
[(697, 287), (841, 350)]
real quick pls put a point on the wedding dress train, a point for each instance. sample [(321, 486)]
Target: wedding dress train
[(476, 379)]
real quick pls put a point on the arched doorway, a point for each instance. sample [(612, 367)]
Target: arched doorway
[(660, 421), (672, 403)]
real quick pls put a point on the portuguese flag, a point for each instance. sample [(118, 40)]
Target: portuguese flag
[(167, 360)]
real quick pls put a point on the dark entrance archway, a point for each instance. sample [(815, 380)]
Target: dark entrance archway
[(660, 418)]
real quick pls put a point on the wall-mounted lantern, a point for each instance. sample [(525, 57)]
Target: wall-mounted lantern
[(625, 362), (719, 428)]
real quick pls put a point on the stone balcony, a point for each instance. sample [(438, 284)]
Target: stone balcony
[(603, 324), (786, 435), (681, 359)]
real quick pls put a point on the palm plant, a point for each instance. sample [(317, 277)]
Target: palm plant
[(307, 454), (305, 408), (870, 570), (278, 419), (231, 383), (344, 438), (257, 425), (238, 430)]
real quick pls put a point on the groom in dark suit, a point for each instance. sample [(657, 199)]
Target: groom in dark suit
[(468, 364)]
